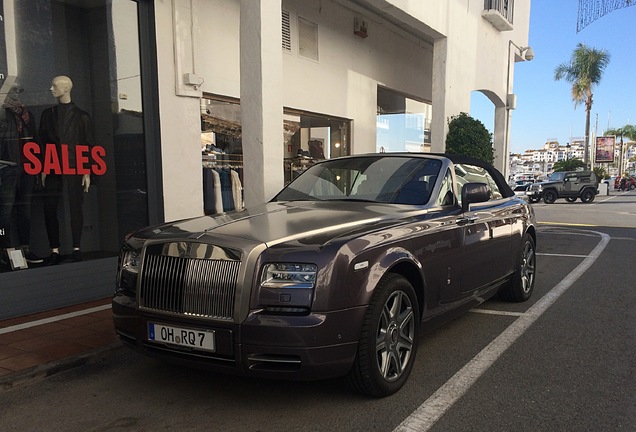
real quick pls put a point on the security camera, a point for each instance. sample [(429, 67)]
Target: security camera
[(529, 54), (204, 108)]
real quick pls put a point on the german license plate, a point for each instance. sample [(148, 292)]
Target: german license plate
[(190, 338)]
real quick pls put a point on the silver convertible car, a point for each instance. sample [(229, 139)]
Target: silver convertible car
[(335, 276)]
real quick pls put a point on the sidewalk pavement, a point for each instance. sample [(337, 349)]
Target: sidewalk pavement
[(42, 344)]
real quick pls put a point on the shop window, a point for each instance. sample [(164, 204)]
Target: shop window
[(308, 137), (72, 154), (403, 123), (311, 137), (222, 155)]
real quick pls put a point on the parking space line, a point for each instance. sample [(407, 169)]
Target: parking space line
[(53, 319), (562, 255), (427, 414), (567, 224), (565, 232), (496, 312)]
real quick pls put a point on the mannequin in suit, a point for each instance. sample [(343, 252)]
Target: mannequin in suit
[(66, 124), (17, 126)]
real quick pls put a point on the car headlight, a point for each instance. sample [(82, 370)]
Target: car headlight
[(130, 261), (282, 275), (129, 264), (287, 287)]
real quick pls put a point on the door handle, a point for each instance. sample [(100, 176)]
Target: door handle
[(464, 220)]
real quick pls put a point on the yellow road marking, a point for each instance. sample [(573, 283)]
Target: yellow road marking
[(566, 224)]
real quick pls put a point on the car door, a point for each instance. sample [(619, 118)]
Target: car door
[(487, 234), (442, 248), (570, 184)]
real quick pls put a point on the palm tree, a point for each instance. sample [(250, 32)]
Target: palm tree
[(571, 164), (584, 70), (627, 131)]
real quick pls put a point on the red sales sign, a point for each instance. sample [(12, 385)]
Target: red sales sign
[(54, 163)]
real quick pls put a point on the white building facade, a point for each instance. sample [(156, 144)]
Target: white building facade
[(185, 95), (539, 162), (434, 53)]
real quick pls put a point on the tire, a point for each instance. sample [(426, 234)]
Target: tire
[(570, 199), (588, 195), (549, 197), (389, 338), (533, 200), (520, 287)]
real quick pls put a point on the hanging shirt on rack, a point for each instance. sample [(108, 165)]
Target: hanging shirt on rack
[(209, 192), (237, 190), (218, 200), (226, 189)]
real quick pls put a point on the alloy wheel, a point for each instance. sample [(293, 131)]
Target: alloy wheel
[(395, 336), (527, 267)]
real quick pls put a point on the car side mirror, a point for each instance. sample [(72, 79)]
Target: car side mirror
[(474, 193)]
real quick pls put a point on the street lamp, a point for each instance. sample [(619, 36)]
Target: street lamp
[(621, 157)]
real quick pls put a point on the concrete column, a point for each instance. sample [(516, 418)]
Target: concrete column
[(439, 126), (501, 139), (261, 99)]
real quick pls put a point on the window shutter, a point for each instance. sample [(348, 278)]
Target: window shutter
[(307, 39), (286, 32)]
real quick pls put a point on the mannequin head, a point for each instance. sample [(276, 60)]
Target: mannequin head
[(61, 88)]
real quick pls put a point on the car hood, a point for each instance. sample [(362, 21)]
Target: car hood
[(278, 222), (544, 183)]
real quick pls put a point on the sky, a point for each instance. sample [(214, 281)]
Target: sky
[(545, 110)]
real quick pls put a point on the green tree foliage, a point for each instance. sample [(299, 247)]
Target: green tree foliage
[(628, 131), (584, 71), (568, 165), (601, 172), (468, 136)]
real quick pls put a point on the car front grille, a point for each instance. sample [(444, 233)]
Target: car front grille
[(188, 286)]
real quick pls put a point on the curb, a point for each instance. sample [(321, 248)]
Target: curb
[(46, 370)]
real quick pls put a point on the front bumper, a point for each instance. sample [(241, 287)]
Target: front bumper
[(310, 347)]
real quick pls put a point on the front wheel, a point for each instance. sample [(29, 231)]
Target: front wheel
[(549, 197), (388, 343), (520, 288), (587, 196)]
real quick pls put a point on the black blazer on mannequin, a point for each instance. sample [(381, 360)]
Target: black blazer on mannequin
[(75, 130)]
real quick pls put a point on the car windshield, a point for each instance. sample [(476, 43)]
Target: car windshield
[(556, 176), (387, 179)]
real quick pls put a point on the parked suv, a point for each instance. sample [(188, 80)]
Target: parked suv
[(566, 184)]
